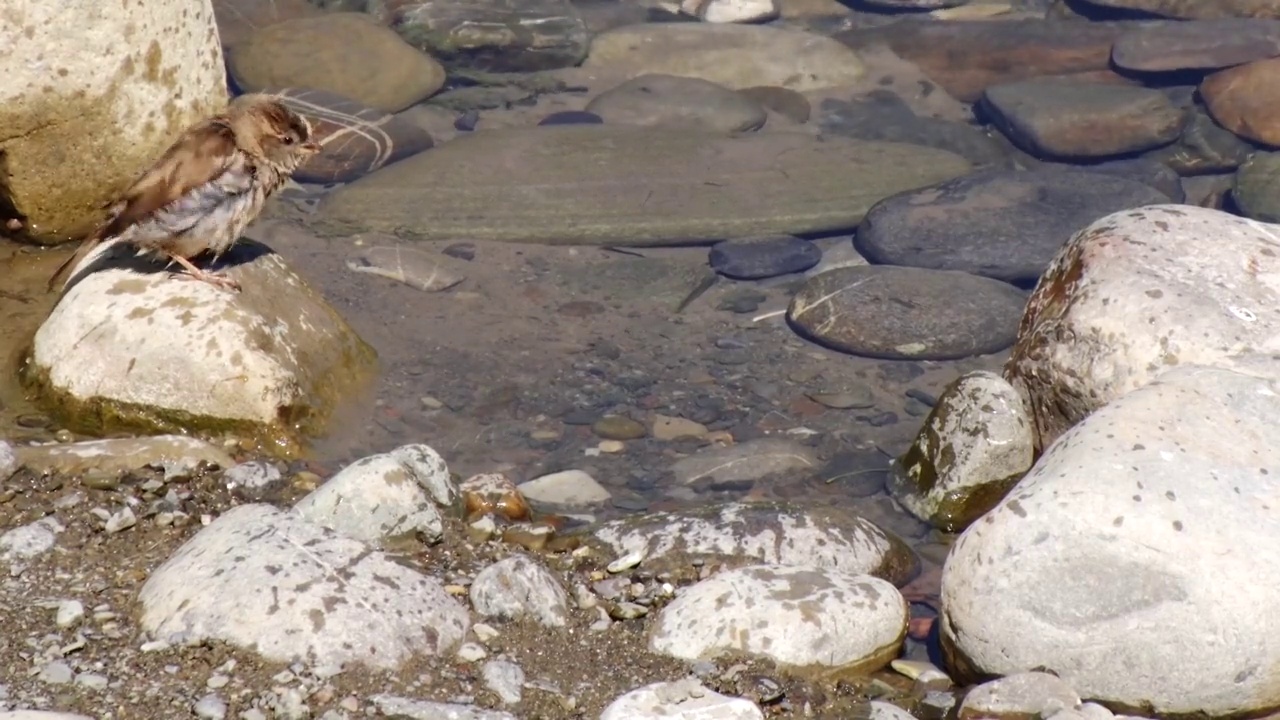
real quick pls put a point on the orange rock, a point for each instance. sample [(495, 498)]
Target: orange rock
[(493, 494), (1246, 100)]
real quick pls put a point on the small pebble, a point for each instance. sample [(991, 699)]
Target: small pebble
[(70, 612), (210, 707), (56, 673), (93, 681)]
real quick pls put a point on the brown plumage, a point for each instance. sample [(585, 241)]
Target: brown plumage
[(211, 183)]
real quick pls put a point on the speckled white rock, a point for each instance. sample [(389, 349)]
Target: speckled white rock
[(268, 580), (881, 710), (24, 543), (172, 452), (518, 587), (1141, 291), (1153, 512), (769, 533), (385, 495), (150, 340), (401, 707), (71, 139), (682, 700), (41, 715), (975, 443), (567, 487), (8, 460), (1028, 694), (798, 616), (731, 11)]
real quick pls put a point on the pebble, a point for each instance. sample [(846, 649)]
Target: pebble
[(567, 487), (122, 519), (617, 427), (504, 678), (471, 652), (70, 612), (93, 681), (56, 673), (754, 258), (210, 707)]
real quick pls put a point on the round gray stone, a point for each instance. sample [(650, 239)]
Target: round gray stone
[(903, 313), (763, 257), (673, 101), (1006, 225)]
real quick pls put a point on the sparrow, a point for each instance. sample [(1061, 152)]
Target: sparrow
[(202, 192)]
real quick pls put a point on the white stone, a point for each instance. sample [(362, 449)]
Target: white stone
[(8, 460), (401, 707), (180, 346), (70, 612), (683, 700), (881, 710), (264, 579), (975, 443), (1028, 694), (518, 587), (1141, 291), (25, 542), (505, 679), (1153, 512), (252, 477), (795, 615), (567, 487), (382, 496), (731, 11), (93, 93), (173, 452), (767, 532), (40, 715)]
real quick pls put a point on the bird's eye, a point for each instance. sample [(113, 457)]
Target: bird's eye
[(288, 139)]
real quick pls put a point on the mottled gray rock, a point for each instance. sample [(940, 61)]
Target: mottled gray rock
[(905, 313), (268, 580), (494, 35), (794, 615), (518, 587), (674, 102), (384, 496), (686, 698), (400, 707), (768, 533), (24, 543)]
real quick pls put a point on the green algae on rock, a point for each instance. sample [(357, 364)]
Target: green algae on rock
[(604, 185), (123, 351), (974, 445)]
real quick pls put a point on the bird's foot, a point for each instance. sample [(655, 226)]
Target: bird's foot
[(217, 280)]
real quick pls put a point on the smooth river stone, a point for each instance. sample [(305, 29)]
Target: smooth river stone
[(736, 56), (1197, 45), (1198, 9), (610, 185), (1052, 118), (355, 139), (965, 57), (763, 257), (493, 35), (1006, 225), (1246, 100), (900, 313), (674, 101)]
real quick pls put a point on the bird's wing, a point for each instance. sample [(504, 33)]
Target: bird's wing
[(201, 156)]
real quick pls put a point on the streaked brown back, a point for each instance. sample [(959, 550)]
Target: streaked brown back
[(202, 154)]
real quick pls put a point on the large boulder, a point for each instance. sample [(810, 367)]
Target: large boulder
[(93, 93), (1137, 293), (1134, 560), (148, 351)]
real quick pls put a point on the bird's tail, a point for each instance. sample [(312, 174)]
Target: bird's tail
[(88, 246)]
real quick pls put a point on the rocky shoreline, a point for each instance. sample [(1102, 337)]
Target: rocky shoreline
[(722, 359)]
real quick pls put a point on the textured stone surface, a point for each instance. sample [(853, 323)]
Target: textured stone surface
[(130, 77), (493, 35), (356, 139), (674, 101), (1137, 293), (1246, 100), (602, 184), (1197, 44), (1199, 9)]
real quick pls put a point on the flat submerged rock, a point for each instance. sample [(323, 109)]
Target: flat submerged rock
[(608, 185)]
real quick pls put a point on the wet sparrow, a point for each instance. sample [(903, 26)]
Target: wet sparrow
[(204, 190)]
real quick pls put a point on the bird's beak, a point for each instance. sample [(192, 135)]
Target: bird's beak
[(311, 147)]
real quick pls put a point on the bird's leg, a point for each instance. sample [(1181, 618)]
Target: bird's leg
[(192, 272)]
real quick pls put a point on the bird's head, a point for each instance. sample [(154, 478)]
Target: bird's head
[(266, 127)]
